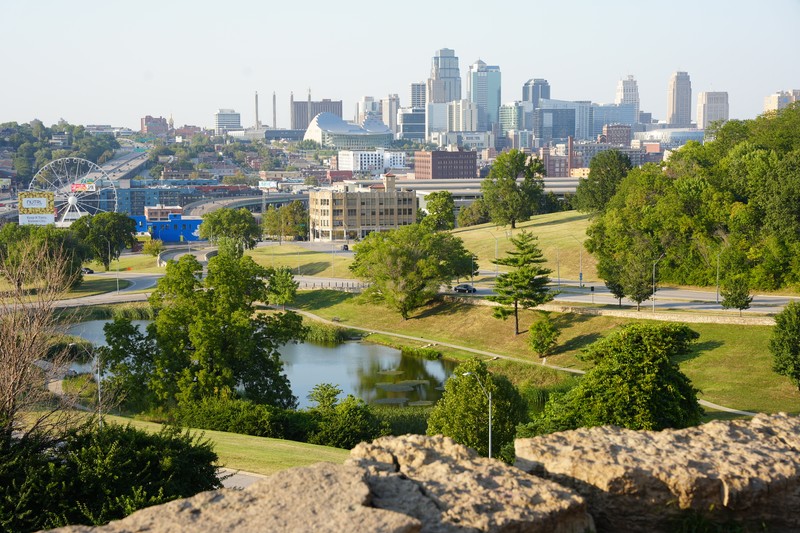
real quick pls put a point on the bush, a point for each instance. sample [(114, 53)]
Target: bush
[(244, 417), (403, 420), (347, 424), (325, 334), (96, 475), (423, 352)]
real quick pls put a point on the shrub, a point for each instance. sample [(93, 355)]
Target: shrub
[(325, 334), (347, 424), (422, 352), (96, 475), (403, 420)]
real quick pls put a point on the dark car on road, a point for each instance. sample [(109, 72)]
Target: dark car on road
[(87, 270), (464, 287)]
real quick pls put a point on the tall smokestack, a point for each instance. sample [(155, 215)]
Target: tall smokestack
[(308, 109), (258, 123), (274, 122)]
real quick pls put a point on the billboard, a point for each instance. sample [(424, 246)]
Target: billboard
[(267, 184), (5, 183), (83, 187), (36, 208)]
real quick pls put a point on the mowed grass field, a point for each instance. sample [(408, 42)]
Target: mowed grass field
[(304, 262), (730, 364), (255, 454)]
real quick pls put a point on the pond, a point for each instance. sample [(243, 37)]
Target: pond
[(374, 373)]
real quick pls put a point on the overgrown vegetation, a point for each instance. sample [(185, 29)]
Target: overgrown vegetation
[(324, 334)]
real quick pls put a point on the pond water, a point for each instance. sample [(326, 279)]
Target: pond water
[(374, 373)]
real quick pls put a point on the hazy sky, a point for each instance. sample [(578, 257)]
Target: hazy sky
[(112, 62)]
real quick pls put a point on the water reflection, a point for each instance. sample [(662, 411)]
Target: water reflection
[(375, 373)]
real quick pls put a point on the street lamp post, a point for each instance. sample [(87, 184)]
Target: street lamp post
[(654, 280), (580, 261), (96, 358), (488, 395), (109, 259)]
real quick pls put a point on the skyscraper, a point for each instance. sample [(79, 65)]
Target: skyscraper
[(302, 112), (534, 90), (483, 88), (628, 93), (679, 102), (418, 91), (389, 107), (711, 107), (444, 85), (226, 120)]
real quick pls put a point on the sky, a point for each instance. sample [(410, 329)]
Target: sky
[(112, 62)]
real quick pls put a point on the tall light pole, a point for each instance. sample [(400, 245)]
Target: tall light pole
[(580, 263), (488, 394), (108, 242), (96, 363), (654, 279)]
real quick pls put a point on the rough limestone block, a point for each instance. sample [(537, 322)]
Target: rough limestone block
[(743, 471), (320, 498), (449, 487)]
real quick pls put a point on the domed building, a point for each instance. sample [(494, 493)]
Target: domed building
[(332, 132)]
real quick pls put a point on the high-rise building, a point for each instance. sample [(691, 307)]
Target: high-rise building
[(462, 115), (604, 114), (367, 107), (781, 99), (303, 111), (444, 85), (442, 165), (483, 88), (582, 121), (679, 102), (411, 123), (418, 92), (435, 119), (534, 90), (389, 107), (617, 134), (554, 124), (628, 93), (711, 107), (516, 116), (226, 120)]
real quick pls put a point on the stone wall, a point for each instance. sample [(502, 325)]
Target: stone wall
[(742, 474)]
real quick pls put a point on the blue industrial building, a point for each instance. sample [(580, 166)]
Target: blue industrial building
[(176, 229)]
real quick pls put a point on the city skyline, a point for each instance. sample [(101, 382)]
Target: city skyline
[(119, 63)]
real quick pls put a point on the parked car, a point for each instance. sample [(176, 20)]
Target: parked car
[(87, 270), (464, 287)]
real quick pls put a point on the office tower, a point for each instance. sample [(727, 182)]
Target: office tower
[(462, 115), (582, 116), (226, 120), (534, 90), (418, 94), (435, 119), (554, 124), (302, 112), (679, 102), (483, 88), (367, 107), (389, 107), (781, 99), (711, 107), (605, 114), (411, 123), (628, 93), (444, 85), (516, 116), (618, 134)]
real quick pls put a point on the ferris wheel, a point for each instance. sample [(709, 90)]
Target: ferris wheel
[(79, 188)]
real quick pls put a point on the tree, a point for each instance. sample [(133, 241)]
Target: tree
[(636, 278), (282, 288), (207, 341), (16, 244), (346, 424), (543, 336), (325, 395), (634, 384), (736, 293), (606, 171), (785, 343), (237, 224), (506, 200), (106, 234), (526, 285), (153, 247), (290, 220), (405, 267), (440, 211), (463, 411), (27, 363), (473, 214)]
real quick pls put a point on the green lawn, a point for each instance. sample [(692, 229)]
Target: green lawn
[(96, 285), (731, 364), (256, 454), (303, 261)]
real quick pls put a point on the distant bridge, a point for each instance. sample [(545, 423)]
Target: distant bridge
[(252, 203)]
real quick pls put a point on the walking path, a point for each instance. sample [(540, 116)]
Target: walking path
[(493, 355)]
